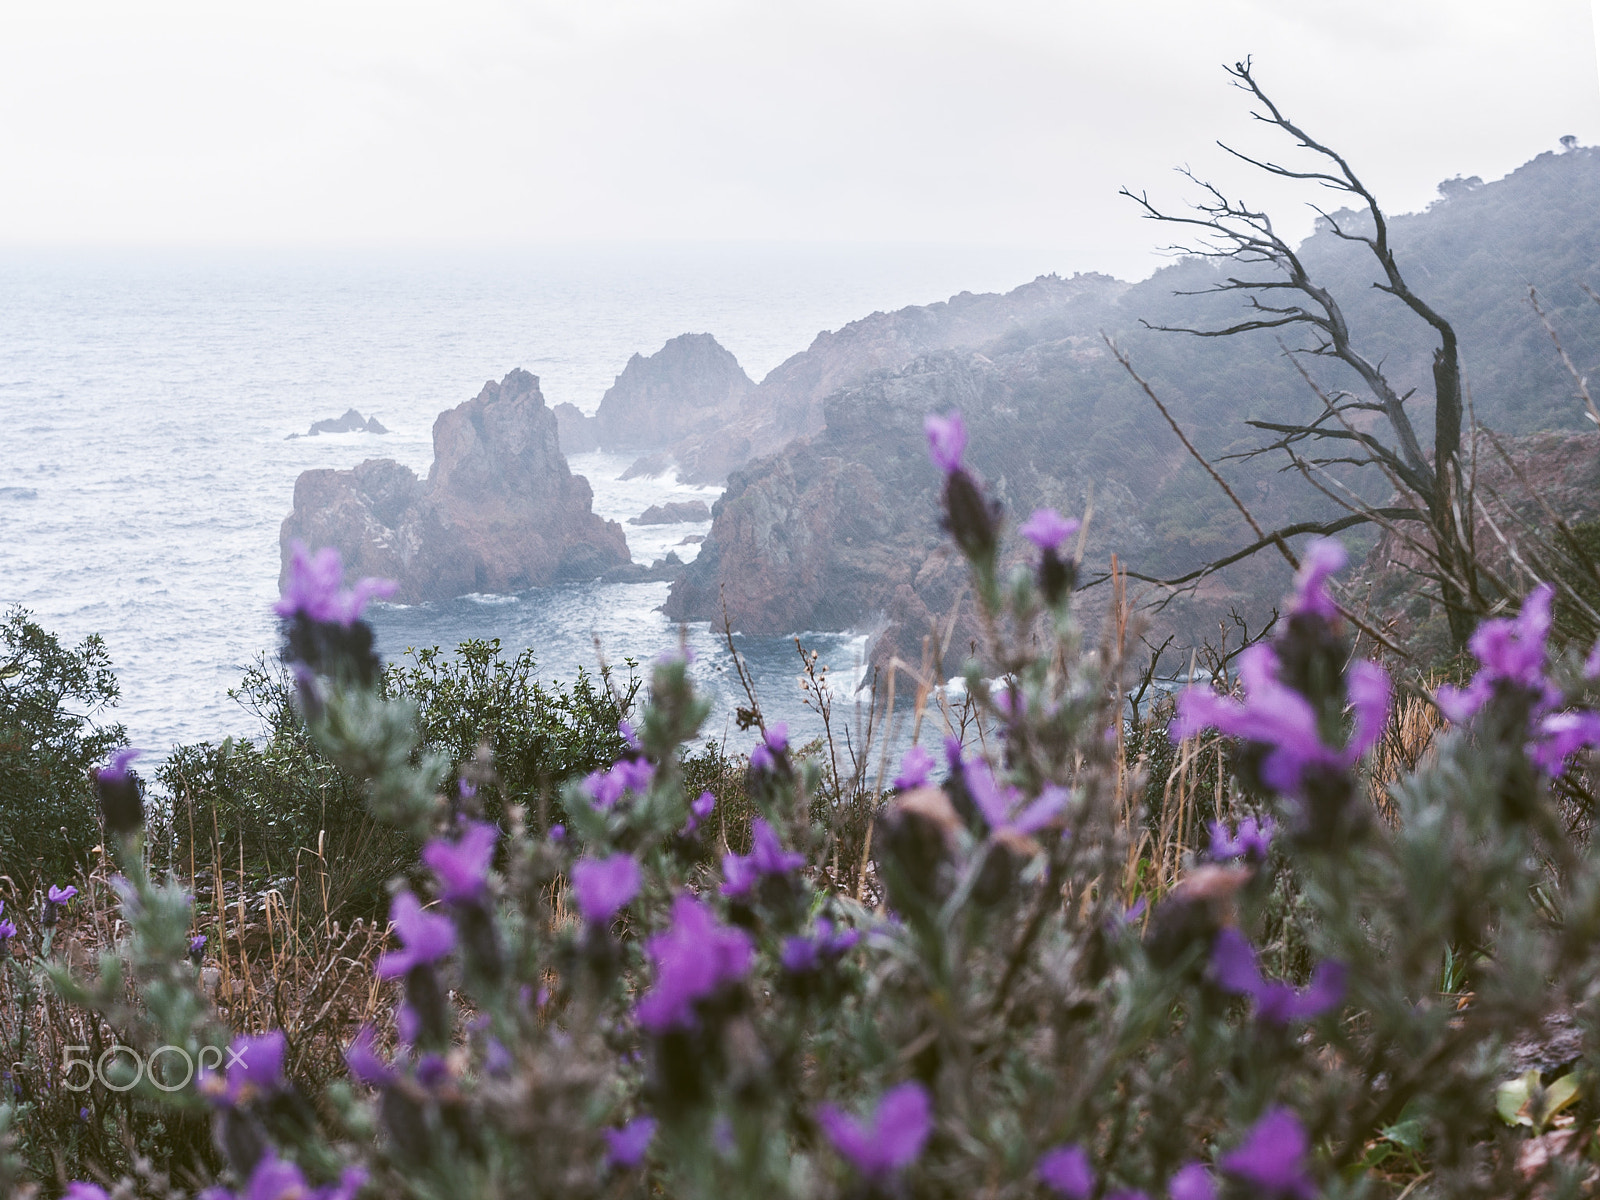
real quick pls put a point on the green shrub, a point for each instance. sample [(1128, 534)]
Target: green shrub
[(50, 697)]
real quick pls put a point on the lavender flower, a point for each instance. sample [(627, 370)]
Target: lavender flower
[(915, 769), (693, 959), (629, 738), (805, 954), (277, 1179), (85, 1191), (1065, 1171), (197, 947), (1003, 808), (774, 742), (891, 1140), (1591, 665), (1321, 558), (1233, 963), (1560, 736), (1511, 652), (767, 857), (462, 866), (1047, 529), (315, 589), (254, 1068), (365, 1063), (1251, 842), (557, 833), (605, 788), (627, 1146), (699, 809), (603, 886), (426, 937), (1192, 1182), (60, 895), (947, 440), (8, 930), (1271, 1159), (120, 792), (1279, 718)]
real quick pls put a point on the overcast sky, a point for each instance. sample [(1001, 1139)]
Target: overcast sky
[(980, 121)]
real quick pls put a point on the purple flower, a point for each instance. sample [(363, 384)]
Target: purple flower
[(1321, 558), (693, 959), (254, 1066), (767, 857), (605, 788), (407, 1024), (1003, 808), (197, 946), (947, 439), (1047, 529), (1233, 965), (558, 833), (771, 746), (1192, 1182), (915, 769), (116, 771), (8, 929), (60, 895), (1252, 841), (85, 1191), (629, 737), (315, 589), (1271, 1159), (602, 886), (627, 1145), (1510, 651), (462, 866), (426, 937), (278, 1179), (364, 1061), (699, 809), (1591, 665), (891, 1140), (803, 954), (1065, 1171), (1560, 736), (1280, 718)]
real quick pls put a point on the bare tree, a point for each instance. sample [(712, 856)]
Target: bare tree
[(1280, 294)]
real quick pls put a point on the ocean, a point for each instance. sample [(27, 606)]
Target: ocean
[(147, 398)]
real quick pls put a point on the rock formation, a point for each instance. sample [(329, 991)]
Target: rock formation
[(674, 512), (578, 434), (691, 386), (351, 422), (499, 510)]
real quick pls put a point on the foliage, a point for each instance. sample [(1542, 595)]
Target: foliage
[(50, 698), (1013, 1007)]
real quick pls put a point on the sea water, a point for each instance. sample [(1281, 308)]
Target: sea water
[(146, 398)]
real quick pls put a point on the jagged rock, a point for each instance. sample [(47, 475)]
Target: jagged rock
[(788, 403), (694, 539), (674, 512), (690, 386), (499, 511), (663, 570), (578, 432), (649, 466), (351, 422)]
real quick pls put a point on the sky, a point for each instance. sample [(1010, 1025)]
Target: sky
[(487, 123)]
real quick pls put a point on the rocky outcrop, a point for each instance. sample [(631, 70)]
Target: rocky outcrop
[(690, 387), (789, 402), (674, 512), (499, 511), (351, 422), (578, 433)]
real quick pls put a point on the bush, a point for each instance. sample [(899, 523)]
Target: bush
[(50, 697)]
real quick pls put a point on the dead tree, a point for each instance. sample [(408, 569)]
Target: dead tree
[(1280, 294)]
